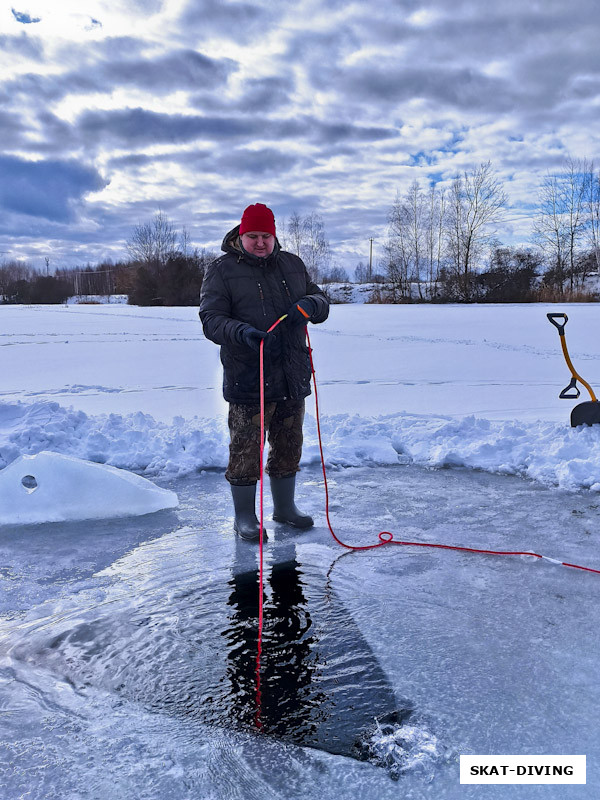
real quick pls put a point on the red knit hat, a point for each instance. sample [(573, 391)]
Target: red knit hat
[(258, 218)]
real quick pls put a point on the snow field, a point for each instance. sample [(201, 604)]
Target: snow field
[(438, 386)]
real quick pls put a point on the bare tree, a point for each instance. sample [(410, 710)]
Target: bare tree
[(561, 221), (12, 272), (315, 250), (395, 266), (282, 233), (305, 236), (417, 230), (549, 228), (397, 249), (592, 200), (152, 243), (477, 203), (294, 232), (361, 273), (184, 241), (575, 186), (414, 251), (335, 274), (436, 221)]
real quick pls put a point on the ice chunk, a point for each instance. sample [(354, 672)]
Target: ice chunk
[(50, 487)]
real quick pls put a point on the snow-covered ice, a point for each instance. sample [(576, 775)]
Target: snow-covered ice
[(441, 424), (50, 487), (438, 386)]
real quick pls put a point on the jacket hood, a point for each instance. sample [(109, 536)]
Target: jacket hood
[(232, 244)]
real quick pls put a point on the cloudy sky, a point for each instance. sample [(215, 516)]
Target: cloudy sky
[(113, 109)]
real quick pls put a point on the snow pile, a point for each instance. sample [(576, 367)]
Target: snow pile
[(350, 292), (133, 441), (49, 487), (553, 454)]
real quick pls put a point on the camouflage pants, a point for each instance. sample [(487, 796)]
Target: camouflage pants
[(283, 421)]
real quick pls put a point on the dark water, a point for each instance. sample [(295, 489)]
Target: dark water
[(196, 656), (319, 687)]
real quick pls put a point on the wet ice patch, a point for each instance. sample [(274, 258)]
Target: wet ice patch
[(49, 487), (192, 654)]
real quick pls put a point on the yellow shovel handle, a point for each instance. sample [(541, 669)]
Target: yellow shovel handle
[(572, 368)]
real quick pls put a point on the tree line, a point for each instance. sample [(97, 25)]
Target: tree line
[(163, 268), (444, 241), (441, 246)]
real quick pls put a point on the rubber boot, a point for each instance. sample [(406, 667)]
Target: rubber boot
[(284, 508), (246, 524)]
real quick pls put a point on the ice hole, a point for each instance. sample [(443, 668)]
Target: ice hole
[(30, 483)]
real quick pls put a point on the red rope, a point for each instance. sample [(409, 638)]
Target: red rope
[(257, 717), (385, 537)]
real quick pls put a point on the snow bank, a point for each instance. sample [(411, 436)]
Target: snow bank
[(553, 454), (52, 487), (101, 299), (133, 441), (350, 292)]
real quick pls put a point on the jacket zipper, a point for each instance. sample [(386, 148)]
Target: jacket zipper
[(262, 298), (286, 288)]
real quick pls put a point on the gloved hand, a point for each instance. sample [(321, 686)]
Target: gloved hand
[(300, 312), (252, 338)]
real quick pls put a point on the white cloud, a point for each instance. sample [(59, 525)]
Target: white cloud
[(423, 17), (200, 103)]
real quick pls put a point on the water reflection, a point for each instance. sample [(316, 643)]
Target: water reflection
[(288, 700), (192, 652)]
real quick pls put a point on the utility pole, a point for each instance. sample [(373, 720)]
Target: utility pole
[(2, 253), (47, 260), (371, 259)]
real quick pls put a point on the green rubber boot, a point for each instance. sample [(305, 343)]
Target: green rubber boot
[(246, 524), (284, 507)]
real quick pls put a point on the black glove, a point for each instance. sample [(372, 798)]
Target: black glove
[(252, 338), (300, 312)]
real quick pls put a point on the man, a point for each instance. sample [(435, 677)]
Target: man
[(243, 293)]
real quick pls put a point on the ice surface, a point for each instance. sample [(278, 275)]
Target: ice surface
[(50, 487), (495, 654)]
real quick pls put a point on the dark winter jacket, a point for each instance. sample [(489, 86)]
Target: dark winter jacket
[(240, 289)]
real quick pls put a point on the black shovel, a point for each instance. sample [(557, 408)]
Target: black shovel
[(587, 413)]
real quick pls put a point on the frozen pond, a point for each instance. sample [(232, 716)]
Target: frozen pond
[(127, 647)]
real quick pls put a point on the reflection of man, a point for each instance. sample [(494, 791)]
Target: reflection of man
[(286, 663), (243, 293), (320, 683)]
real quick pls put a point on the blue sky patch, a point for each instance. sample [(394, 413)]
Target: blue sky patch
[(25, 19)]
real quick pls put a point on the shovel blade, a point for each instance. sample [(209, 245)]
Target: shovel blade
[(586, 414)]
